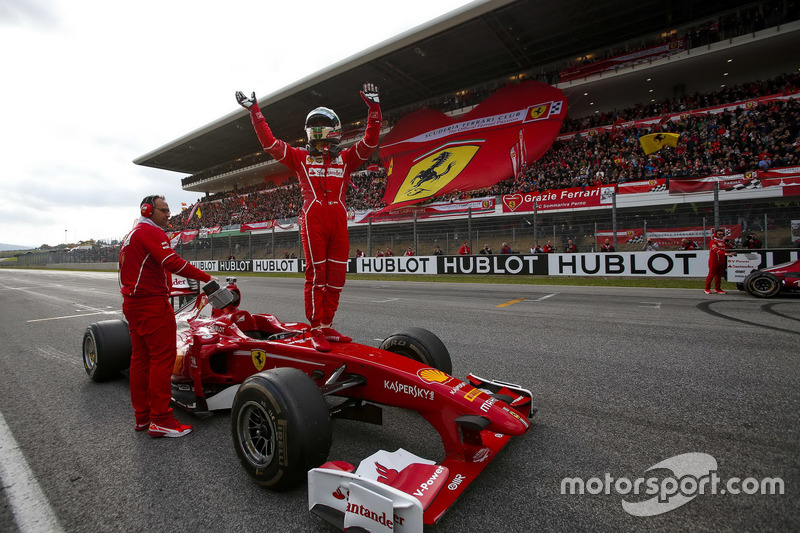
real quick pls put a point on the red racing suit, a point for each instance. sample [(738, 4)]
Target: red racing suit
[(717, 261), (145, 262), (323, 225)]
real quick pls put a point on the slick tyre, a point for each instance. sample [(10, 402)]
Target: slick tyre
[(106, 349), (281, 427), (421, 345), (762, 284)]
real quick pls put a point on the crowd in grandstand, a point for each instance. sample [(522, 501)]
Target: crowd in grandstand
[(725, 143), (729, 142)]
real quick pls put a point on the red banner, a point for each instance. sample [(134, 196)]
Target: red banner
[(572, 198), (780, 176), (460, 208), (183, 237), (265, 225), (636, 187), (670, 237), (755, 179), (748, 180), (633, 58), (430, 154)]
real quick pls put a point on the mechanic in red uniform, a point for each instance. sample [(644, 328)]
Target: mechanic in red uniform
[(323, 170), (145, 262), (717, 260)]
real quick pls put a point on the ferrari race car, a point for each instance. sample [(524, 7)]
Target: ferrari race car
[(770, 281), (283, 394)]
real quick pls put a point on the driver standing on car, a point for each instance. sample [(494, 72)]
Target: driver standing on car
[(323, 170), (145, 262)]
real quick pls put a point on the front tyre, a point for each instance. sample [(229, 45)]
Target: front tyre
[(106, 349), (762, 284), (281, 427), (420, 345)]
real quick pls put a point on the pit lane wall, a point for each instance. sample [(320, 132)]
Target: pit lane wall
[(637, 264)]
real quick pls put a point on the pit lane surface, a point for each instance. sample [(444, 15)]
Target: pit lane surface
[(623, 379)]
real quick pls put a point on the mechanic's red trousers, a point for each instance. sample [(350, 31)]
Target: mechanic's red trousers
[(716, 269), (326, 246), (151, 321)]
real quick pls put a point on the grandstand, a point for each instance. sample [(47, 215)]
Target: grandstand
[(626, 69)]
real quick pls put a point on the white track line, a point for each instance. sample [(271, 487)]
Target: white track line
[(72, 316), (29, 506), (545, 297)]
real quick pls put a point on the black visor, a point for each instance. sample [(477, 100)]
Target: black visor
[(320, 120)]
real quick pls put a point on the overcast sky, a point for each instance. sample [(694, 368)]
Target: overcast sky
[(89, 85)]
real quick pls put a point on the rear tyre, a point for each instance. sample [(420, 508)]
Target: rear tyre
[(420, 345), (762, 284), (281, 427), (106, 349)]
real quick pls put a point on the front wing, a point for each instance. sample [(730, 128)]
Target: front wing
[(399, 491)]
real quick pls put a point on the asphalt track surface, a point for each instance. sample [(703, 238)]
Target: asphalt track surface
[(622, 378)]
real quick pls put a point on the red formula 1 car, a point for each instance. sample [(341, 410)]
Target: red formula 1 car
[(769, 282), (283, 395)]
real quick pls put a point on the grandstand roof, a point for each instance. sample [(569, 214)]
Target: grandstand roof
[(482, 42)]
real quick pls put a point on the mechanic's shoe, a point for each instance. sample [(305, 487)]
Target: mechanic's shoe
[(319, 341), (718, 291), (173, 428), (707, 291), (334, 336), (142, 421)]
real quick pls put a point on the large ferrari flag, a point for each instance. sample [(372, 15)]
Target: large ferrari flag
[(430, 154)]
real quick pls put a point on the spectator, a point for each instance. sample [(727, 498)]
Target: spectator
[(409, 252), (650, 246), (536, 249), (464, 250), (607, 246), (571, 248), (548, 248), (686, 244), (437, 250), (486, 250), (506, 249), (752, 242), (388, 252)]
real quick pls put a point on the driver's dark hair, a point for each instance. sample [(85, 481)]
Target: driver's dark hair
[(151, 199)]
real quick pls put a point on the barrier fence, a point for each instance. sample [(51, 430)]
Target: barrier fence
[(775, 223)]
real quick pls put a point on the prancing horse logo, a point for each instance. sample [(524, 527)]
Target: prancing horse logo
[(259, 359)]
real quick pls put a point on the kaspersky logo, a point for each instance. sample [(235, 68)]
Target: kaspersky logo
[(432, 171)]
